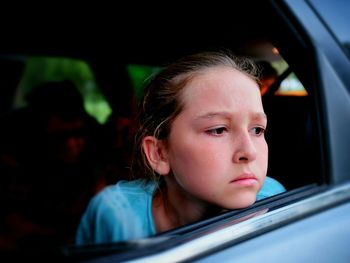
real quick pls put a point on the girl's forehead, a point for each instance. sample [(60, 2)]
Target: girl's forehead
[(218, 73), (220, 87), (213, 78)]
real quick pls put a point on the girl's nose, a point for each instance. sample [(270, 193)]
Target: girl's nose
[(244, 148)]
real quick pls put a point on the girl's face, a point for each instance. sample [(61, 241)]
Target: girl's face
[(216, 148)]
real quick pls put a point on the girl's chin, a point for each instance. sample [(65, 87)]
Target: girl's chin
[(244, 201)]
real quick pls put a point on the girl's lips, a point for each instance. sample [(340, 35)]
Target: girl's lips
[(245, 180)]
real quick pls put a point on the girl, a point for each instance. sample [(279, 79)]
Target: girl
[(200, 150)]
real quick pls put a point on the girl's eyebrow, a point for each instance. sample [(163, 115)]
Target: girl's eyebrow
[(209, 115), (226, 115), (260, 115)]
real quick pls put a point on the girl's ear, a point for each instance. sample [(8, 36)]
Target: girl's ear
[(156, 154)]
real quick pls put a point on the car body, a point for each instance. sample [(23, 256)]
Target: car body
[(308, 135)]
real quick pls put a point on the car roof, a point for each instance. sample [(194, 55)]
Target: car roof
[(154, 34)]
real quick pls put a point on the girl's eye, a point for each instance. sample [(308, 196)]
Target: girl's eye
[(216, 131), (258, 130)]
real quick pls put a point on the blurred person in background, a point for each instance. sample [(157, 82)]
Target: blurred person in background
[(51, 172)]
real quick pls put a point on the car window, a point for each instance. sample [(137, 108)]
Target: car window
[(109, 148), (290, 86)]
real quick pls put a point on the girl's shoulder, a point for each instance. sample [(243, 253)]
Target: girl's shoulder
[(124, 193), (271, 187)]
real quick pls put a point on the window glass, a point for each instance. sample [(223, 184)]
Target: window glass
[(291, 86)]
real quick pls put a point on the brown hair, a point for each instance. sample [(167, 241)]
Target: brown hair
[(161, 102)]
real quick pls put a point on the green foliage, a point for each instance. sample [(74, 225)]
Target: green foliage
[(43, 69), (139, 75)]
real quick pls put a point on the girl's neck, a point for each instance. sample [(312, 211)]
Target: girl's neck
[(173, 207)]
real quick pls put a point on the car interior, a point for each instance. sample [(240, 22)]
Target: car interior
[(43, 206)]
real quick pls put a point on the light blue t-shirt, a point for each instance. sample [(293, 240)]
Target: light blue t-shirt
[(124, 212)]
